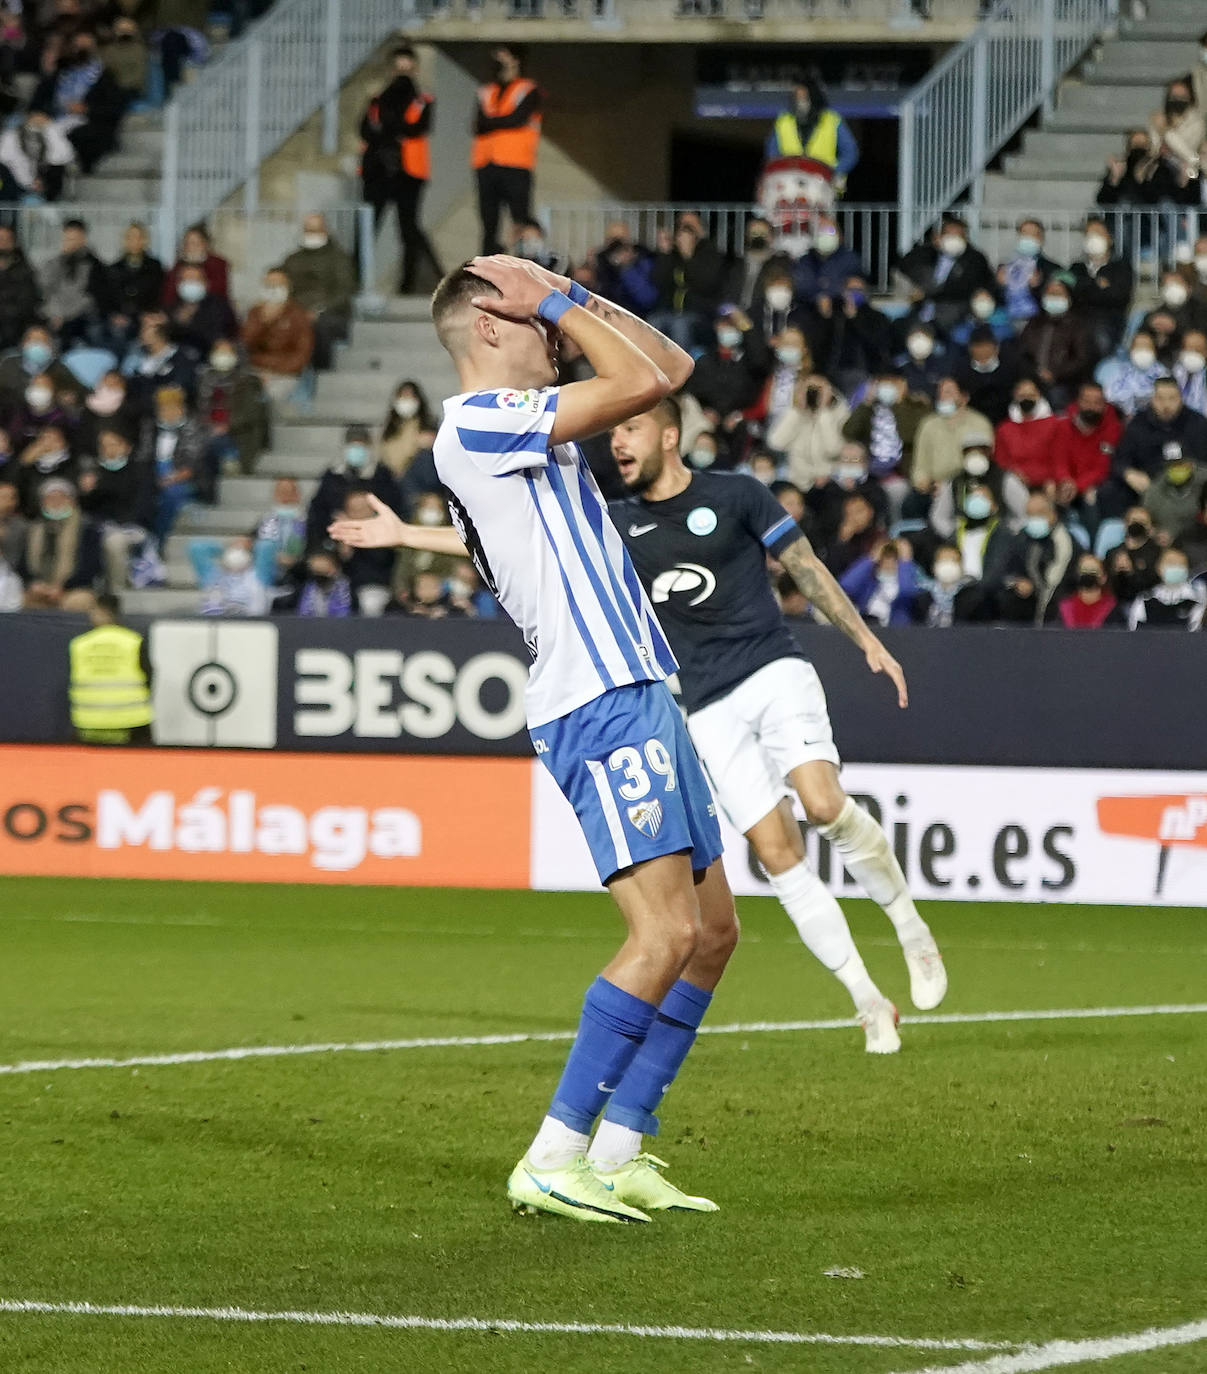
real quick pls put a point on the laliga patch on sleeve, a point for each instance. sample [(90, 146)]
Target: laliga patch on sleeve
[(520, 400)]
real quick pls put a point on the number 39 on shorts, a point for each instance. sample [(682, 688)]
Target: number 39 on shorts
[(636, 765)]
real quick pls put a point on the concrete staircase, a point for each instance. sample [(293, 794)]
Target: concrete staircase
[(1061, 164), (131, 176), (381, 352)]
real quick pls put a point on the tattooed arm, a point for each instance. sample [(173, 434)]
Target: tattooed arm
[(817, 583)]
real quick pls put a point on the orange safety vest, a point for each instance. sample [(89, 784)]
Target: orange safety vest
[(507, 147), (417, 151)]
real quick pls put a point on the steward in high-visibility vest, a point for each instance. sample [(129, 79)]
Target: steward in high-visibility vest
[(507, 135), (811, 129), (110, 686)]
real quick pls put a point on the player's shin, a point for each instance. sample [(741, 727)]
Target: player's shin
[(630, 1113), (820, 923), (613, 1026)]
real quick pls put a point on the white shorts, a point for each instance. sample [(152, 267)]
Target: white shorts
[(751, 739)]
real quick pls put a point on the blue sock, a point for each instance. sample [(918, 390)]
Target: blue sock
[(614, 1023), (660, 1058)]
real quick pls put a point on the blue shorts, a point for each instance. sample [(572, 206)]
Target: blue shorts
[(625, 763)]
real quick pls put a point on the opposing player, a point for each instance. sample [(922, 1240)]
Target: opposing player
[(756, 709), (602, 719)]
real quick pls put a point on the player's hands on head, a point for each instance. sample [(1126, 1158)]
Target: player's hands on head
[(384, 531), (881, 661), (553, 280), (523, 290)]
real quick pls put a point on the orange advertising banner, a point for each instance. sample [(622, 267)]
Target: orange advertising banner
[(265, 817)]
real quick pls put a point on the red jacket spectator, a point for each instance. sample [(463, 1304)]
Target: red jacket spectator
[(1027, 449), (1087, 451)]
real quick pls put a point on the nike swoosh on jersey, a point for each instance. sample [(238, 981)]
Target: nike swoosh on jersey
[(635, 530)]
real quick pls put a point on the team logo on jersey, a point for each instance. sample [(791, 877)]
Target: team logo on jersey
[(520, 400), (646, 816), (684, 579), (702, 521)]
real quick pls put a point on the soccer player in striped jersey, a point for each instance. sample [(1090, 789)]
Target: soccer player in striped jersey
[(602, 719)]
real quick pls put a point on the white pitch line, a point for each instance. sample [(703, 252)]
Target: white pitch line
[(408, 1323), (1031, 1359), (954, 1018)]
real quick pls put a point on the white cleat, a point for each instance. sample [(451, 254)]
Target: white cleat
[(879, 1022), (927, 976)]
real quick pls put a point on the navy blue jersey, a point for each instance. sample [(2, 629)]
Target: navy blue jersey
[(702, 557)]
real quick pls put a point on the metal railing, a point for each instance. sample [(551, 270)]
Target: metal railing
[(958, 117), (620, 13), (1148, 236), (255, 242), (258, 92)]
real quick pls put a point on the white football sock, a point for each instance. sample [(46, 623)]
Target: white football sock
[(820, 923), (614, 1145), (870, 860), (556, 1145)]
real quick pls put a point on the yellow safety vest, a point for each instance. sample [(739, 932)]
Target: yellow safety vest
[(823, 141), (109, 690)]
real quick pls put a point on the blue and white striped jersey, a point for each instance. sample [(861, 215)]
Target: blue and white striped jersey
[(539, 533)]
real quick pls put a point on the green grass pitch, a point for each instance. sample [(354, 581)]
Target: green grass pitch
[(1004, 1182)]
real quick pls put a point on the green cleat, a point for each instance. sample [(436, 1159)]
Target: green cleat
[(641, 1185), (576, 1191)]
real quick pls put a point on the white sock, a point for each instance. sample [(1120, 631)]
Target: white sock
[(820, 923), (870, 860), (556, 1145), (614, 1145)]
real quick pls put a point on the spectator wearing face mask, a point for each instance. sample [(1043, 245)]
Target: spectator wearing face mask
[(778, 309), (278, 337), (985, 541), (408, 419), (821, 274), (118, 493), (231, 586), (279, 539), (923, 364), (887, 424), (943, 272), (47, 454), (1190, 371), (39, 407), (1176, 133), (322, 280), (1056, 345), (155, 363), (988, 373), (232, 410), (73, 285), (809, 432), (860, 337), (793, 361), (884, 587), (985, 309), (705, 451), (1091, 605), (62, 552), (36, 155), (977, 469), (1172, 498), (356, 469), (729, 378), (759, 260), (431, 511), (949, 595), (1178, 312), (1086, 436), (825, 500), (1139, 178), (199, 320), (1175, 603), (173, 448), (197, 250), (624, 270), (1128, 384), (944, 437), (1102, 287), (689, 273), (20, 295), (133, 286), (1141, 453), (1036, 565), (1023, 443), (106, 407), (762, 467), (1023, 277), (1132, 566)]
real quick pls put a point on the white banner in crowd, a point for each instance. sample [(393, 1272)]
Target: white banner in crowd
[(969, 834)]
